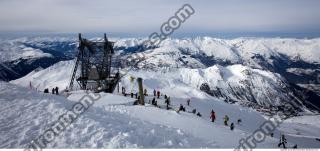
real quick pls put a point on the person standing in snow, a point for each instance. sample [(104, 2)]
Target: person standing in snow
[(181, 108), (145, 92), (198, 114), (153, 101), (188, 102), (131, 95), (167, 102), (57, 91), (283, 141), (46, 91), (232, 126), (194, 111), (53, 90), (226, 119), (213, 116), (123, 90), (239, 121), (158, 94), (154, 92)]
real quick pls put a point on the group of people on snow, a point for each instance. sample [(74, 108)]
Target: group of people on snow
[(226, 118), (53, 90)]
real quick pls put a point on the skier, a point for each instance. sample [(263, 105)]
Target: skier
[(46, 91), (145, 92), (57, 91), (226, 119), (239, 121), (167, 101), (158, 94), (232, 126), (188, 102), (198, 114), (181, 108), (53, 90), (154, 92), (213, 116), (283, 141), (131, 95), (153, 101), (194, 111)]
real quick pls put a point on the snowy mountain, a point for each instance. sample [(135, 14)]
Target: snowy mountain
[(250, 79), (20, 56), (263, 73), (265, 91)]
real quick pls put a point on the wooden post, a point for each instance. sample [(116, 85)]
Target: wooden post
[(141, 101)]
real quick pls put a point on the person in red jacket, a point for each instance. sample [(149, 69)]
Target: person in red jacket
[(213, 116), (158, 94)]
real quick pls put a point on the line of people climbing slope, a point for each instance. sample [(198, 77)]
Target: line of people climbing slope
[(181, 108)]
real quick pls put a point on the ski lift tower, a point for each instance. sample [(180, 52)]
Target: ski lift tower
[(97, 69)]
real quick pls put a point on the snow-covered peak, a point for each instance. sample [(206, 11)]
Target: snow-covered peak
[(13, 50)]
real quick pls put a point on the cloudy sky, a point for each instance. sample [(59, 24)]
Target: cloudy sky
[(141, 17)]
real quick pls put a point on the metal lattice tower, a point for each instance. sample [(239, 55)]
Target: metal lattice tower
[(97, 70)]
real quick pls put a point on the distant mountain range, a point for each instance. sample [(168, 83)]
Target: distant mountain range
[(262, 73)]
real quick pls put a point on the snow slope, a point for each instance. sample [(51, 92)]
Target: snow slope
[(58, 75), (26, 117), (112, 122)]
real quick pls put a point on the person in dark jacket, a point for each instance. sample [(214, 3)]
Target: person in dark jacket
[(53, 90), (123, 90), (46, 91), (154, 92), (231, 126), (181, 108), (194, 111), (145, 92), (167, 102), (153, 102), (198, 114), (213, 116), (239, 121), (57, 91), (283, 141), (188, 102)]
